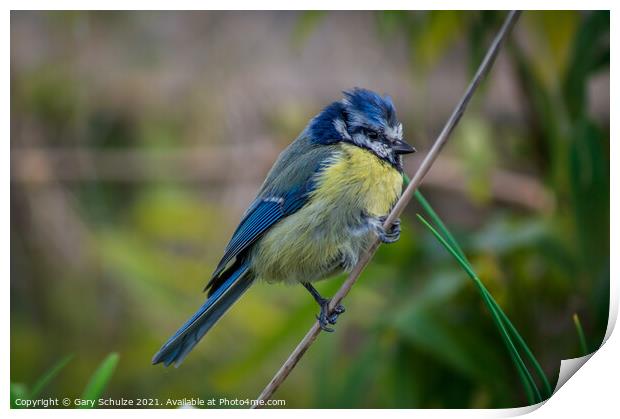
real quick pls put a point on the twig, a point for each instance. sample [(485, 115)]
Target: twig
[(432, 155)]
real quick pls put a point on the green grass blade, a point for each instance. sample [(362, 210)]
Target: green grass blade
[(582, 336), (49, 375), (532, 392), (406, 180), (528, 353), (506, 321), (529, 384), (18, 391), (100, 378), (437, 221)]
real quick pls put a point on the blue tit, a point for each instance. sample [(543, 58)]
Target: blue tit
[(319, 209)]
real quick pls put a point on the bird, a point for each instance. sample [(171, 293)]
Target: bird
[(321, 206)]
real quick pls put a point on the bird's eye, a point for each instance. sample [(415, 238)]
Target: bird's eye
[(373, 135)]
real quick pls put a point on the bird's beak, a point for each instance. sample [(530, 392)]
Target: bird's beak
[(401, 147)]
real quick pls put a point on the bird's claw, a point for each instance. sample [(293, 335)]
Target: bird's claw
[(326, 318), (392, 235)]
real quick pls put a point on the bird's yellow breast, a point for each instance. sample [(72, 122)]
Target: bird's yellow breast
[(312, 243), (358, 176)]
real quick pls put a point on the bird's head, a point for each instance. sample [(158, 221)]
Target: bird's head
[(365, 119)]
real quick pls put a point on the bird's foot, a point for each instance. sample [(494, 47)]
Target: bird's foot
[(390, 236), (326, 318)]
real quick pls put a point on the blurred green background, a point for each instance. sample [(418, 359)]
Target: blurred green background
[(138, 139)]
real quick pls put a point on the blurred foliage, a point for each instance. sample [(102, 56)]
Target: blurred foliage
[(416, 333), (94, 389), (20, 390)]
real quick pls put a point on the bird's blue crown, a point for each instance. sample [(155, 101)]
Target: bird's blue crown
[(365, 119), (359, 109)]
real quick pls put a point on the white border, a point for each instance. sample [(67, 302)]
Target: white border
[(592, 392), (305, 5)]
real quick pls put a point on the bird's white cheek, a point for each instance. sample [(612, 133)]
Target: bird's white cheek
[(380, 149)]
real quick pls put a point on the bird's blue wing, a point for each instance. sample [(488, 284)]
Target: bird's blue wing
[(263, 213), (286, 190)]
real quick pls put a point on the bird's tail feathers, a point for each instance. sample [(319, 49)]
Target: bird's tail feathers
[(183, 341)]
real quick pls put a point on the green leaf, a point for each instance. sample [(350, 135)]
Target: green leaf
[(45, 379), (528, 382), (18, 391), (505, 326), (504, 318), (545, 113), (590, 53), (553, 31), (442, 227), (589, 177), (100, 378), (582, 336)]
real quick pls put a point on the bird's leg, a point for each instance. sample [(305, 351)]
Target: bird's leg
[(325, 317), (390, 236)]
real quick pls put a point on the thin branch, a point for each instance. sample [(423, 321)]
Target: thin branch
[(427, 163)]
